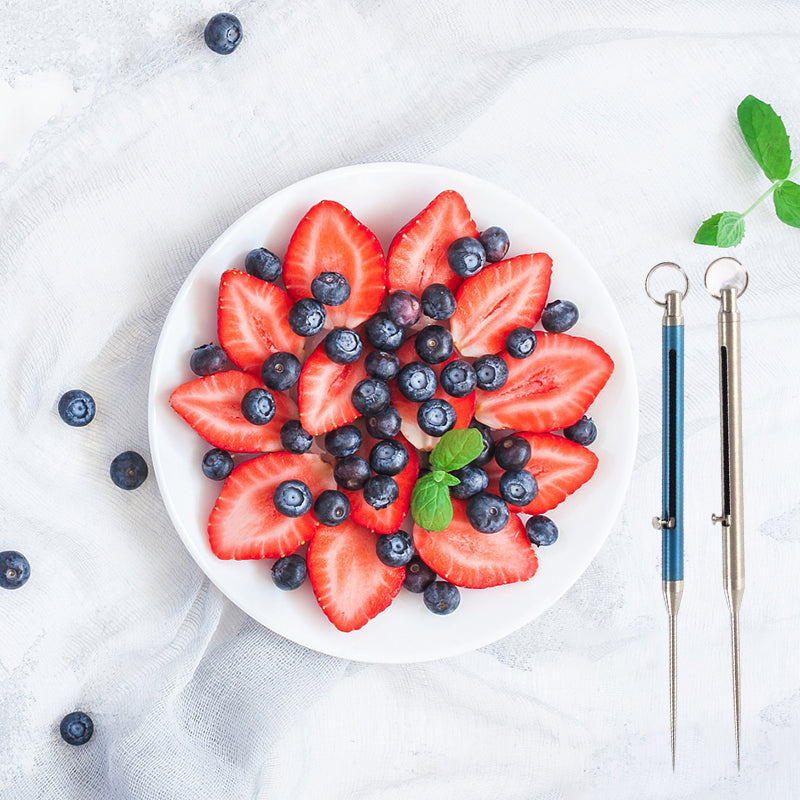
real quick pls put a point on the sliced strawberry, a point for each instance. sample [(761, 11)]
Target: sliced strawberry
[(350, 582), (550, 389), (463, 406), (476, 560), (387, 520), (253, 320), (559, 466), (323, 392), (330, 239), (498, 299), (244, 522), (418, 253), (213, 407)]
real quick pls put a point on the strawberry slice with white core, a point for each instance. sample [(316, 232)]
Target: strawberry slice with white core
[(324, 389), (476, 560), (463, 406), (559, 466), (389, 519), (550, 389), (213, 407), (418, 253), (501, 297), (244, 522), (253, 321), (350, 582), (330, 239)]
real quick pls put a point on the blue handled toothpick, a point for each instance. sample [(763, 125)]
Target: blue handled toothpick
[(671, 520)]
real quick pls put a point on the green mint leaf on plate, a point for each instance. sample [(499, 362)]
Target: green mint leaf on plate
[(707, 232), (766, 137), (730, 229), (431, 506), (787, 203), (456, 449)]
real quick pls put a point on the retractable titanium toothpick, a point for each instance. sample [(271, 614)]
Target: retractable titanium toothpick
[(726, 280), (671, 520)]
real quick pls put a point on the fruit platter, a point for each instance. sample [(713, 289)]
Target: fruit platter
[(393, 413)]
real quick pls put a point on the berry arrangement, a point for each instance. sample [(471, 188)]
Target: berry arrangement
[(406, 422)]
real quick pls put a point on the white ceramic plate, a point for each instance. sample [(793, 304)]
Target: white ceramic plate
[(385, 196)]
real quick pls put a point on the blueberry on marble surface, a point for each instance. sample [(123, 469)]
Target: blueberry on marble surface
[(289, 572), (441, 597), (128, 470), (263, 264), (76, 728), (222, 33), (14, 569), (76, 407), (217, 464)]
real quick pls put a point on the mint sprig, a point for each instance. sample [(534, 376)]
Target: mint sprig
[(765, 135), (431, 506)]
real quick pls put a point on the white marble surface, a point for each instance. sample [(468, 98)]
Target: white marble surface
[(126, 147)]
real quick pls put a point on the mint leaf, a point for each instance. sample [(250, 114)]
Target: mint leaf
[(456, 449), (707, 232), (450, 480), (766, 137), (787, 203), (431, 507), (730, 229)]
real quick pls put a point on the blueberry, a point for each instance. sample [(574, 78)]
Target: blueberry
[(487, 512), (382, 364), (458, 378), (351, 472), (495, 243), (223, 33), (343, 441), (280, 371), (487, 453), (217, 464), (395, 549), (331, 507), (370, 396), (388, 457), (518, 487), (380, 491), (289, 572), (208, 359), (306, 317), (541, 530), (294, 437), (559, 316), (76, 728), (14, 569), (263, 264), (473, 480), (520, 342), (434, 344), (76, 408), (466, 256), (404, 308), (330, 288), (441, 597), (128, 470), (436, 417), (417, 382), (492, 373), (343, 346), (438, 302), (513, 452), (382, 333), (584, 432), (419, 576), (258, 406), (385, 424), (292, 498)]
